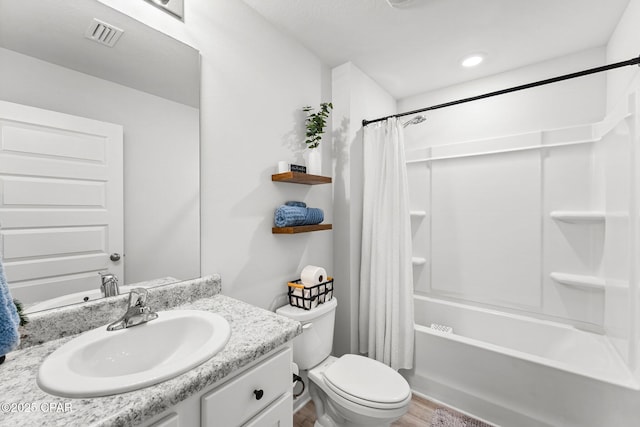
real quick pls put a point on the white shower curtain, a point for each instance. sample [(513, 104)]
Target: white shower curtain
[(386, 279)]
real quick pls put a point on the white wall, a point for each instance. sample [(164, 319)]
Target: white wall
[(624, 44), (488, 236), (160, 136), (356, 97), (567, 103), (255, 80)]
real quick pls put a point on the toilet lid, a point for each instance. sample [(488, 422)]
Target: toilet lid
[(358, 378)]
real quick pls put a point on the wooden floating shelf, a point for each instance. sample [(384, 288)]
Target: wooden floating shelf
[(579, 281), (300, 178), (578, 216), (301, 229)]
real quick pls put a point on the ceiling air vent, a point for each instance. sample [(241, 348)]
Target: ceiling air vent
[(103, 33)]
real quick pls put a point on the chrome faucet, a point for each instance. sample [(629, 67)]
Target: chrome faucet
[(109, 284), (137, 311)]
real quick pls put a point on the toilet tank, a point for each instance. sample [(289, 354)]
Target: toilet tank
[(315, 343)]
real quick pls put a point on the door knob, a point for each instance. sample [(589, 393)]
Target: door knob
[(115, 257)]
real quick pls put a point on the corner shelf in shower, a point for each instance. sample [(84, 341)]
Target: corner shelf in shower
[(418, 214), (576, 217), (418, 260), (301, 178), (579, 281)]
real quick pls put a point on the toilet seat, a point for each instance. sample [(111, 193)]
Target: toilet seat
[(367, 382)]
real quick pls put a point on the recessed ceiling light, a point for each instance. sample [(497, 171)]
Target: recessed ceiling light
[(472, 60)]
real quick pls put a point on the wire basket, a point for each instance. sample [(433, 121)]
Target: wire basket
[(309, 297)]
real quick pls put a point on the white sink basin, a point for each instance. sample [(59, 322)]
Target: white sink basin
[(102, 363)]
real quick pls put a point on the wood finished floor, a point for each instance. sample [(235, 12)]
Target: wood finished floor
[(419, 414)]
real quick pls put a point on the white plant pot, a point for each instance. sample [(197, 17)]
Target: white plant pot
[(313, 160)]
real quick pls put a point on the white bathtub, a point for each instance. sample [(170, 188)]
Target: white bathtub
[(518, 371)]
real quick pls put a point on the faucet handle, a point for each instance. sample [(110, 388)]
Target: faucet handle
[(138, 312), (138, 297), (106, 276)]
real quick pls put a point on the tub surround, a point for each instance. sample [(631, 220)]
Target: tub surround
[(254, 333), (61, 322)]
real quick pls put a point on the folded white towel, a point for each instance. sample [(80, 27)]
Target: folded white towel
[(307, 297)]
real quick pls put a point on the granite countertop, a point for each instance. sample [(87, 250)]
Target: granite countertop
[(254, 333)]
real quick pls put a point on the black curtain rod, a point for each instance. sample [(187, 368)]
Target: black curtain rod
[(633, 61)]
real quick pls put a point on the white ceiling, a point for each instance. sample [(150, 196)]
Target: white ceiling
[(143, 58), (418, 48)]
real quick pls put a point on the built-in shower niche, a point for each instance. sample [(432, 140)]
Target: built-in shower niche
[(418, 178), (573, 239), (584, 231)]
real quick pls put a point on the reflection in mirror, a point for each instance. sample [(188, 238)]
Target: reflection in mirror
[(99, 152)]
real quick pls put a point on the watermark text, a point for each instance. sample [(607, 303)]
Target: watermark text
[(53, 407)]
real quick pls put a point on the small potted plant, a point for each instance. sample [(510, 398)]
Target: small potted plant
[(315, 123)]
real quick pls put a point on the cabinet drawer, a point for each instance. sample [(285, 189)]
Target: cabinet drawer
[(279, 414), (243, 397)]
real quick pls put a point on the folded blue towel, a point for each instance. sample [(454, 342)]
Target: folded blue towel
[(9, 319), (314, 216), (298, 204), (290, 216)]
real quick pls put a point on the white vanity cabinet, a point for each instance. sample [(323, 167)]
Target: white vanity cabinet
[(257, 395)]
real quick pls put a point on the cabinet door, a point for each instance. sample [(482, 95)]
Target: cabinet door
[(279, 414), (237, 401)]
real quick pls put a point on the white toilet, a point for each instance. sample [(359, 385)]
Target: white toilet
[(348, 391)]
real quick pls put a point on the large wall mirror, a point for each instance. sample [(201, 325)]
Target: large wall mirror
[(146, 84)]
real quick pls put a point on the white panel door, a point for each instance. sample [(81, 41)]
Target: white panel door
[(61, 201)]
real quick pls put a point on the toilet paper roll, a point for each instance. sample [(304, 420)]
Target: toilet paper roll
[(294, 368), (312, 275)]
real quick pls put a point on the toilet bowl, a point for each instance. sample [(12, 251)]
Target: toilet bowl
[(348, 391), (357, 391)]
